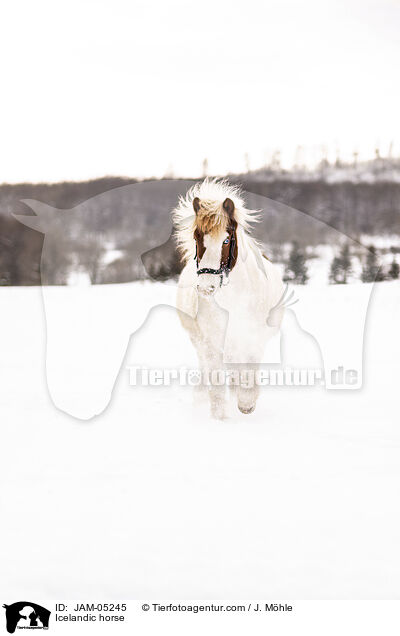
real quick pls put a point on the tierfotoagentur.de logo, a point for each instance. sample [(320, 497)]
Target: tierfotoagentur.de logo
[(26, 615)]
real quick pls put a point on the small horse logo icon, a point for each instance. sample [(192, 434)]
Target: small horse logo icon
[(26, 615)]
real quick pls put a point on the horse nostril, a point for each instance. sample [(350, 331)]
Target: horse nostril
[(206, 291)]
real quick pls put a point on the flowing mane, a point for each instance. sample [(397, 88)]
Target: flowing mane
[(211, 217)]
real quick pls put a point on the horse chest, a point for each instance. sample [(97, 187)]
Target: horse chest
[(212, 320)]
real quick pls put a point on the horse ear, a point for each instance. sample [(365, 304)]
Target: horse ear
[(196, 204), (229, 207)]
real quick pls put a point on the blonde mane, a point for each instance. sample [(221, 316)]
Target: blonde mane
[(211, 217)]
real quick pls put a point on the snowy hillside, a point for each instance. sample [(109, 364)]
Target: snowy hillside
[(155, 499), (378, 170)]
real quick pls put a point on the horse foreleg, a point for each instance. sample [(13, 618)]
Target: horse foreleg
[(200, 390), (216, 386), (191, 326)]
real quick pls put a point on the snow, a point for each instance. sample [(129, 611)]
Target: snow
[(381, 241), (111, 255), (320, 257), (153, 499)]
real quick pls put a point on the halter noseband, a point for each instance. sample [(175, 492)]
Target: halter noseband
[(225, 267)]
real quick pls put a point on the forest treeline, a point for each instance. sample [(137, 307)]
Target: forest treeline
[(118, 231)]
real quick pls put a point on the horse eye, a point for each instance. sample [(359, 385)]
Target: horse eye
[(226, 241)]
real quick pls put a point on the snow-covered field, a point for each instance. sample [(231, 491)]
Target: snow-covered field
[(153, 499)]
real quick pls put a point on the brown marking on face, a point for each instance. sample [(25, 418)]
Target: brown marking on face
[(213, 219), (226, 247), (200, 249)]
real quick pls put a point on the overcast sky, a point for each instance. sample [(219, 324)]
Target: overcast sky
[(130, 88)]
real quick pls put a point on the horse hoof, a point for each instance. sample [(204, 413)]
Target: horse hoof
[(246, 410)]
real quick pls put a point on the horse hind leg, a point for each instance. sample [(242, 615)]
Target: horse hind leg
[(247, 400), (248, 390)]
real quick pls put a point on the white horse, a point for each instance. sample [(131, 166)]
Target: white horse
[(230, 297)]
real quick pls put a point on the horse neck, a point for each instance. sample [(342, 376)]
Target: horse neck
[(248, 250), (245, 270)]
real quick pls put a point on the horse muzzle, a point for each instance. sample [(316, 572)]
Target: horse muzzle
[(207, 290)]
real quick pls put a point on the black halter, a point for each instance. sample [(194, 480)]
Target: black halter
[(225, 268)]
